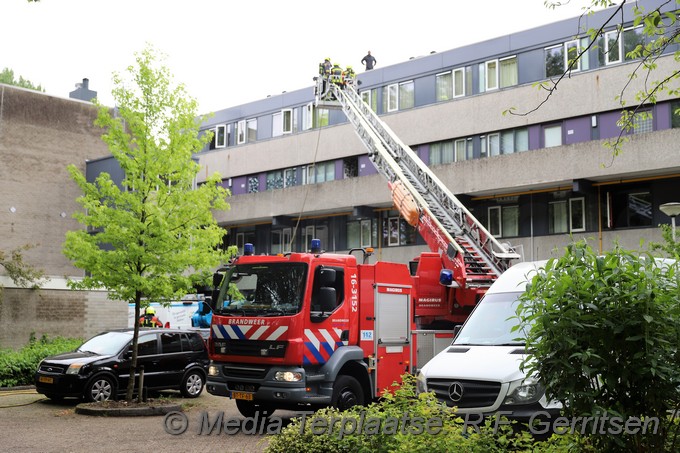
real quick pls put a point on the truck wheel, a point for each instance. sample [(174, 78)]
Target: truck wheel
[(249, 409), (347, 392)]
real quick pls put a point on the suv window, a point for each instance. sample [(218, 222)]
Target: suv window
[(196, 342), (147, 345), (171, 343)]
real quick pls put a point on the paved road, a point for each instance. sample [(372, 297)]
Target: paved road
[(31, 423)]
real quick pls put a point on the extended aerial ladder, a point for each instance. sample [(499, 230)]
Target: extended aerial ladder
[(474, 256)]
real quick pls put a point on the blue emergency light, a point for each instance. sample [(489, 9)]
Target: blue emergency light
[(248, 249), (446, 279), (316, 245)]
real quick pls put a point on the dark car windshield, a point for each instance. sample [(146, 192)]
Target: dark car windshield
[(108, 343), (266, 289), (491, 323)]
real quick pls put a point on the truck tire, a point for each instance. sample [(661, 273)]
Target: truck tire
[(249, 409), (347, 392)]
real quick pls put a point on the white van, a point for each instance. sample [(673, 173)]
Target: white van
[(480, 372)]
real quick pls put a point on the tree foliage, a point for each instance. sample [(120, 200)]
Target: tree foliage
[(604, 334), (18, 270), (7, 76), (659, 36), (155, 235)]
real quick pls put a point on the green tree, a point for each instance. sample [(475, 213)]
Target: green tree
[(604, 334), (7, 76), (18, 270), (156, 236), (659, 35)]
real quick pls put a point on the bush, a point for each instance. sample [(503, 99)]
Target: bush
[(18, 367), (604, 334), (398, 423)]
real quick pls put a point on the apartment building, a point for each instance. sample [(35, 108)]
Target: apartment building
[(297, 171)]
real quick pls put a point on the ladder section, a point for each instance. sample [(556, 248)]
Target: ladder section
[(453, 231)]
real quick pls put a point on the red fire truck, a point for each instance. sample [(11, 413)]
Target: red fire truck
[(316, 329)]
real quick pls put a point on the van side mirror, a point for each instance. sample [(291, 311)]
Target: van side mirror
[(456, 329)]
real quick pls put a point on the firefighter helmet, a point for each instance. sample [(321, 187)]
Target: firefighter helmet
[(150, 311)]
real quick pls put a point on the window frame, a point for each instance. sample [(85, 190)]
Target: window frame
[(223, 142), (487, 64), (241, 132), (500, 71), (573, 201)]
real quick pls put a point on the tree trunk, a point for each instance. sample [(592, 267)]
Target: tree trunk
[(135, 338)]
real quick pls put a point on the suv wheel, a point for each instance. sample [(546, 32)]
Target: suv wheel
[(100, 388), (192, 384)]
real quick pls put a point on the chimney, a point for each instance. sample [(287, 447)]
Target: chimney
[(83, 91)]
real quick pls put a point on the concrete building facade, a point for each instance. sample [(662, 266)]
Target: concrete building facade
[(534, 180)]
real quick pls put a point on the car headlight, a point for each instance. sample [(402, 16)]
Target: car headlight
[(75, 368), (421, 383), (213, 370), (288, 376), (529, 391)]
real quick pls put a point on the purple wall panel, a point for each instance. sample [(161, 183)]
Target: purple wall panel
[(577, 130), (366, 167), (240, 185), (535, 137)]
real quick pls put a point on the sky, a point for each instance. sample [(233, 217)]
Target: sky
[(229, 52)]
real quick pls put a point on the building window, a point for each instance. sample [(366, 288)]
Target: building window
[(370, 97), (639, 209), (503, 221), (281, 241), (571, 49), (632, 38), (322, 117), (514, 141), (642, 122), (407, 99), (493, 145), (251, 125), (444, 86), (557, 217), (552, 136), (396, 231), (275, 180), (290, 177), (359, 234), (491, 75), (460, 147), (577, 214), (253, 184), (612, 47), (392, 98), (241, 132), (318, 173), (675, 114), (554, 61), (350, 167), (308, 116), (221, 136), (288, 121), (442, 152), (508, 71)]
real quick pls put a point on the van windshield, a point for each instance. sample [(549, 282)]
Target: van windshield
[(491, 322)]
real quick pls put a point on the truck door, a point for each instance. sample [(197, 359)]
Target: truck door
[(392, 334)]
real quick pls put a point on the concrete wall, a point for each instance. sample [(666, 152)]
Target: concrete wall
[(40, 136), (56, 311)]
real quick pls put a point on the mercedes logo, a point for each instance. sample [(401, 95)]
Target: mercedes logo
[(456, 391)]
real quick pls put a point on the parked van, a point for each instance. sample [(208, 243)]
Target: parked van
[(480, 372)]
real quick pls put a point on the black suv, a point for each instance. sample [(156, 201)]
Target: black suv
[(100, 368)]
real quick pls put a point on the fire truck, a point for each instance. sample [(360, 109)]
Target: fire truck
[(316, 329)]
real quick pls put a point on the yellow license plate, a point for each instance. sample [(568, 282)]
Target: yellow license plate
[(242, 396), (46, 380)]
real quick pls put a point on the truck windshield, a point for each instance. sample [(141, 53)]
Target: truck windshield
[(269, 289), (491, 323)]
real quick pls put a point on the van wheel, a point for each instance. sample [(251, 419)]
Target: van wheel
[(249, 409), (347, 392), (192, 384), (100, 388)]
